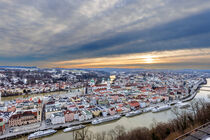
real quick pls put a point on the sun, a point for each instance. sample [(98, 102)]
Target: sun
[(148, 59)]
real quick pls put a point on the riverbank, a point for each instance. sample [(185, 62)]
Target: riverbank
[(194, 90), (43, 126), (25, 132), (32, 95), (28, 94), (183, 123)]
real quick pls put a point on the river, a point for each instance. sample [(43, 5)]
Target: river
[(143, 120)]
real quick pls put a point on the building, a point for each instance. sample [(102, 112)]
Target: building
[(23, 118), (96, 112), (57, 118), (51, 109), (112, 111), (81, 117), (87, 114), (11, 109), (2, 126), (69, 116), (39, 111)]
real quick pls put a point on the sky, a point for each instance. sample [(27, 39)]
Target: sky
[(151, 34)]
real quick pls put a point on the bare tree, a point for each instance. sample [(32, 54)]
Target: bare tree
[(83, 134)]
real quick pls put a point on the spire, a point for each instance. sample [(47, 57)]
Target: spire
[(39, 101)]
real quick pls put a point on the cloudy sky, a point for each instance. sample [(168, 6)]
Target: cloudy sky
[(169, 34)]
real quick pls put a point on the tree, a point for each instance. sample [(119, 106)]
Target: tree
[(83, 134)]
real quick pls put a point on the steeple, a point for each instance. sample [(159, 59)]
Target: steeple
[(108, 84), (39, 111), (92, 82), (102, 81)]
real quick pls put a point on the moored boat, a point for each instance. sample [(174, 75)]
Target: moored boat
[(106, 119), (183, 105), (173, 103), (73, 128), (161, 108), (148, 109), (40, 134), (133, 113)]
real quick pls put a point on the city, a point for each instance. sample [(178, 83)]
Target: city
[(105, 69), (98, 95)]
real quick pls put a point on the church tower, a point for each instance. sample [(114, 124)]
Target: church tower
[(92, 82), (108, 84), (39, 111)]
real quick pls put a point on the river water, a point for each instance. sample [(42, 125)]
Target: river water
[(32, 95), (143, 120)]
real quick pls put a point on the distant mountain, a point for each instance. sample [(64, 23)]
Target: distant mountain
[(109, 70), (149, 70), (114, 69)]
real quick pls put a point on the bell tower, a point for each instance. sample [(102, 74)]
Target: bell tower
[(108, 84), (39, 111)]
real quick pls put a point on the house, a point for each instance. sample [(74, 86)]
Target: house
[(112, 111), (87, 114), (29, 117), (15, 120), (69, 116), (11, 109), (76, 116), (2, 126), (81, 117), (51, 109), (96, 112), (155, 99), (103, 102), (134, 104), (57, 118), (142, 104), (23, 118), (104, 113)]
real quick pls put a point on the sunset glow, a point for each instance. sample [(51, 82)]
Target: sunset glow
[(140, 60), (103, 33), (149, 59)]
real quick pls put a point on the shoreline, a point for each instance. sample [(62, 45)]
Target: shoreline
[(29, 94), (195, 90)]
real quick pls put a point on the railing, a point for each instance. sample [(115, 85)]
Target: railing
[(193, 131)]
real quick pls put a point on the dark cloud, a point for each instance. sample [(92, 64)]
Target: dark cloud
[(51, 30), (190, 32)]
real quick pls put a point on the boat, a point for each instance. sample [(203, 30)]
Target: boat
[(173, 103), (40, 134), (183, 105), (73, 128), (148, 109), (161, 108), (133, 113), (106, 119)]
